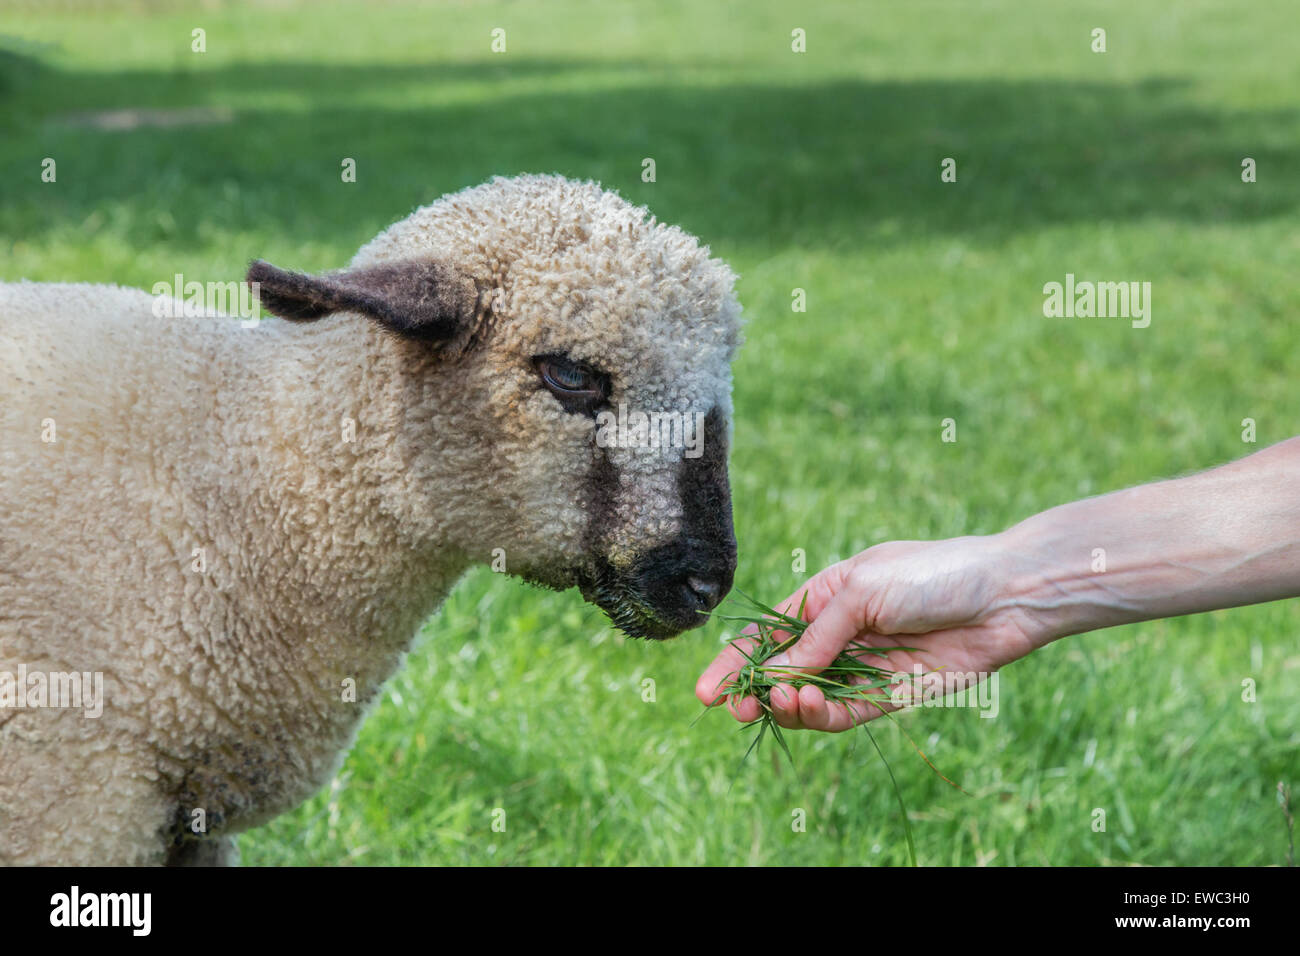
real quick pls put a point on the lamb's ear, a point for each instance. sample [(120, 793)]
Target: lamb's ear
[(422, 299)]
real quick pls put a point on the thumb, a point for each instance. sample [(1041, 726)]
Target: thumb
[(834, 628)]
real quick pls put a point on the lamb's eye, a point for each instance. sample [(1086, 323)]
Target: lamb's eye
[(579, 387), (566, 376)]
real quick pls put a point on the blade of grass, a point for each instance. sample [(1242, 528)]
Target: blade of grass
[(907, 824), (848, 678)]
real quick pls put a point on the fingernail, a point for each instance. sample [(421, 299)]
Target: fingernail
[(778, 660)]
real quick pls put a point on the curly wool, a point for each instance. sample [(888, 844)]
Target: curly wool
[(201, 533)]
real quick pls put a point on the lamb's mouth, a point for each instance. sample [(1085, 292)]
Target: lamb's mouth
[(630, 609), (629, 615), (637, 601)]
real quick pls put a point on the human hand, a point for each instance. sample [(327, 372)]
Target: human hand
[(954, 599)]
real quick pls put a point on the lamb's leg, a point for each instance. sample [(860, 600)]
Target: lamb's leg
[(66, 799)]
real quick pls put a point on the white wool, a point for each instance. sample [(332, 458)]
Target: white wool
[(226, 688)]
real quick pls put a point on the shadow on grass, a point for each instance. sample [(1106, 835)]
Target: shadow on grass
[(819, 165)]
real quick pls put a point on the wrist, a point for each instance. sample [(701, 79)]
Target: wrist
[(1223, 538), (1051, 580)]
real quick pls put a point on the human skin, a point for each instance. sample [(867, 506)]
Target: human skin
[(1222, 538)]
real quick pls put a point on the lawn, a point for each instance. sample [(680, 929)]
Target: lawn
[(817, 171)]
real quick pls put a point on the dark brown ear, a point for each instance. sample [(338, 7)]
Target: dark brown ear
[(421, 299)]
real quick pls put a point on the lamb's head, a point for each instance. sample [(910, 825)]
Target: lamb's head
[(565, 366)]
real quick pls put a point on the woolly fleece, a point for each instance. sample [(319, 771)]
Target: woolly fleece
[(321, 557)]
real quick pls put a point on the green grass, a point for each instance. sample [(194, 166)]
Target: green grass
[(849, 679), (818, 171)]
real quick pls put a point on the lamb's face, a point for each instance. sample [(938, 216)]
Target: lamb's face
[(611, 407), (584, 354)]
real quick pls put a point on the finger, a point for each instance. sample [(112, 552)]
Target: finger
[(844, 715), (711, 688), (812, 707), (815, 593), (784, 701), (830, 632), (744, 709), (831, 716), (818, 713)]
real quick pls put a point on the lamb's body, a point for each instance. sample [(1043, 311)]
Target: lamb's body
[(242, 528), (157, 455)]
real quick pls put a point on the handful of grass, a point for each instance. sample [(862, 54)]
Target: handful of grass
[(849, 678)]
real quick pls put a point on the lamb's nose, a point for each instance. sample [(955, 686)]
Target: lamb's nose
[(706, 590)]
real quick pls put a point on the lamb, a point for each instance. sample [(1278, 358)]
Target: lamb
[(241, 529)]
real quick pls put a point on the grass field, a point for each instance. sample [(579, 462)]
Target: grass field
[(817, 171)]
